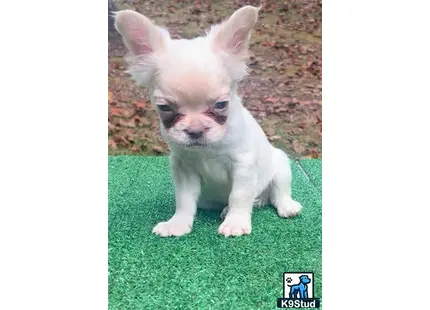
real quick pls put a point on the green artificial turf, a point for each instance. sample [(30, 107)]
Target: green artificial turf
[(203, 270)]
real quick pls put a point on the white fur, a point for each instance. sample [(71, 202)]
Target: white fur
[(238, 167)]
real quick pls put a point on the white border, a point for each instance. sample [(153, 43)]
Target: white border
[(53, 221), (375, 168)]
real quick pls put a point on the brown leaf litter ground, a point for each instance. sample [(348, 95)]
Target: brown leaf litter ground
[(283, 90)]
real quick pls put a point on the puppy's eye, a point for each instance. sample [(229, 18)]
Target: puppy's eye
[(164, 107), (220, 105)]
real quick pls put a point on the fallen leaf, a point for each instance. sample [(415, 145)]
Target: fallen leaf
[(128, 112), (130, 123), (286, 100), (157, 149), (297, 147), (110, 95), (270, 99), (305, 102), (274, 138), (112, 144), (116, 111), (269, 131), (137, 119), (312, 155), (140, 104), (269, 43)]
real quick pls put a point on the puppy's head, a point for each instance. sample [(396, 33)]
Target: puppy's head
[(190, 81)]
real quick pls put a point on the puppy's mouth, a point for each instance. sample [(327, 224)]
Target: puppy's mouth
[(190, 143), (196, 143)]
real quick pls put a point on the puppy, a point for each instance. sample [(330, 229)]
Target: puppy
[(219, 153)]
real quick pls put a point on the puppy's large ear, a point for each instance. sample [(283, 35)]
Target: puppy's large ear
[(234, 34), (144, 41), (232, 37)]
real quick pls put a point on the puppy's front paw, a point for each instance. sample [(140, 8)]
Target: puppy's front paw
[(176, 226), (236, 225), (289, 208)]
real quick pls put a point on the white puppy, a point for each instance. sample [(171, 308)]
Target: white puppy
[(219, 153)]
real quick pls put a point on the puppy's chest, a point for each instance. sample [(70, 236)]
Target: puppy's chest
[(212, 169)]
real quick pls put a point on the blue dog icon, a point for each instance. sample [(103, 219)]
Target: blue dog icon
[(300, 288)]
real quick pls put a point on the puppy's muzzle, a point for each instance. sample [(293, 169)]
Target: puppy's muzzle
[(195, 133)]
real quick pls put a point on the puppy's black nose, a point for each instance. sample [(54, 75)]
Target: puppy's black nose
[(194, 133)]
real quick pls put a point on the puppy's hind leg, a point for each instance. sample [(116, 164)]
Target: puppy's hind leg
[(280, 187)]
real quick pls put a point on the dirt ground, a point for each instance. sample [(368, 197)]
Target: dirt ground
[(283, 90)]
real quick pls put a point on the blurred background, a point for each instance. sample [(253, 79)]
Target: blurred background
[(283, 90)]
